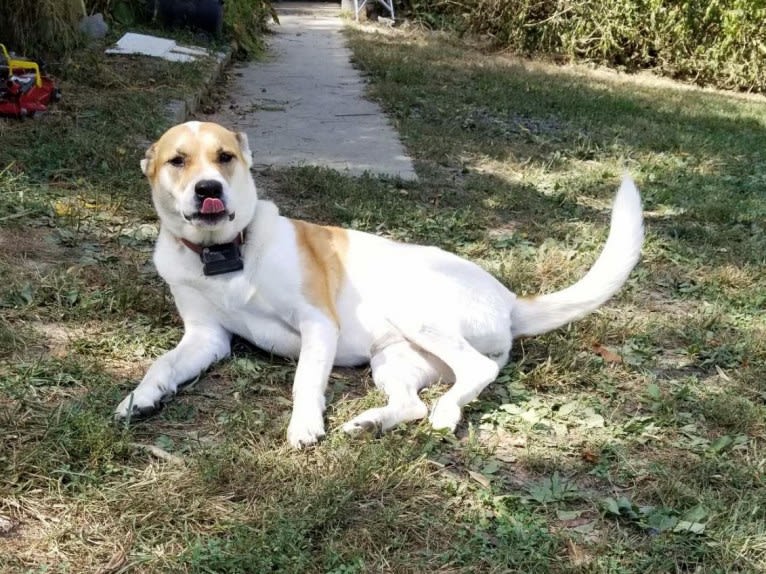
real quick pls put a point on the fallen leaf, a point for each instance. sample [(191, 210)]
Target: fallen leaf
[(119, 558), (606, 354), (567, 408), (577, 554), (686, 526), (610, 505), (116, 562), (586, 527), (722, 374), (592, 419), (160, 453), (480, 478), (696, 514), (721, 443), (568, 515), (505, 456), (589, 456), (577, 524)]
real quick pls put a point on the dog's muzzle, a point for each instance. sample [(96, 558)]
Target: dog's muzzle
[(211, 207)]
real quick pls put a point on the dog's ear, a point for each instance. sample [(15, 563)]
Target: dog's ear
[(147, 164), (244, 147)]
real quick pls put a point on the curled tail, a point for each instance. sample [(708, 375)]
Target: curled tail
[(543, 313)]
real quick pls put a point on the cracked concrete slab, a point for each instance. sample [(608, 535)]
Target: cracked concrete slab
[(305, 103)]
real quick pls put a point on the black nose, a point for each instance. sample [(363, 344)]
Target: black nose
[(208, 188)]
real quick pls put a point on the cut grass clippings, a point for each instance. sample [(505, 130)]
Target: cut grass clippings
[(631, 441)]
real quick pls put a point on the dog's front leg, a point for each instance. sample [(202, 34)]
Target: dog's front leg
[(201, 346), (319, 341)]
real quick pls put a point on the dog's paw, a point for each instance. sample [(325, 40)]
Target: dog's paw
[(367, 422), (303, 433), (445, 415), (136, 405)]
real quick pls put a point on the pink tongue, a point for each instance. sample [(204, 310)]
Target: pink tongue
[(212, 205)]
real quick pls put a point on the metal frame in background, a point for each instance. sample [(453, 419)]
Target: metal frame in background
[(387, 4)]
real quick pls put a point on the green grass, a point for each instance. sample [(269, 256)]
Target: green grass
[(629, 442)]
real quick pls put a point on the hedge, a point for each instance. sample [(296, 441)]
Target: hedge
[(718, 42), (50, 27)]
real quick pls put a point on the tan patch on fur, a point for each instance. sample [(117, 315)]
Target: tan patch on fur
[(323, 252), (199, 147)]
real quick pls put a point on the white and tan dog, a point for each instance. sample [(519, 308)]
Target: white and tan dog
[(331, 296)]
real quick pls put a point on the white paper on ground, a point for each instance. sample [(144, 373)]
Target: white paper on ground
[(132, 43)]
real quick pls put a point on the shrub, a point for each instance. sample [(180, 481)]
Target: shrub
[(244, 22), (40, 26), (720, 42), (49, 27)]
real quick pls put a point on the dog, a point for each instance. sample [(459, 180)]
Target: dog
[(330, 296)]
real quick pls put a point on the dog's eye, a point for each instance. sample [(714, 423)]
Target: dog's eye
[(225, 157), (177, 161)]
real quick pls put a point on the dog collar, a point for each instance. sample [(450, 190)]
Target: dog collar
[(219, 258)]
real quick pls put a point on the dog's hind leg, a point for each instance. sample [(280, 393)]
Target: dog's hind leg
[(401, 371), (472, 370)]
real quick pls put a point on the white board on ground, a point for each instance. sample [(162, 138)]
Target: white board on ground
[(154, 46)]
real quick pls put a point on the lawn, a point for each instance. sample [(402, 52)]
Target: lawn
[(631, 441)]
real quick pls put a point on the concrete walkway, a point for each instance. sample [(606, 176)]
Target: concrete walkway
[(305, 104)]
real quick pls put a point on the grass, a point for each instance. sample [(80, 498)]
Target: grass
[(631, 441)]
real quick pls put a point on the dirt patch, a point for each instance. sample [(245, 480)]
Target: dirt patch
[(56, 338), (34, 249)]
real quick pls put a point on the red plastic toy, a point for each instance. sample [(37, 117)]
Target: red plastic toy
[(24, 91)]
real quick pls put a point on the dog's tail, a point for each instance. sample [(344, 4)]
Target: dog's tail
[(543, 313)]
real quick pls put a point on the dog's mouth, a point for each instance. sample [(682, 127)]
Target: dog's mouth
[(212, 210)]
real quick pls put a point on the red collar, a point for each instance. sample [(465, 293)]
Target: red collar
[(197, 248)]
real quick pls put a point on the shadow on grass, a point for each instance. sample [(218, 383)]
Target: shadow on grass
[(698, 151), (513, 101)]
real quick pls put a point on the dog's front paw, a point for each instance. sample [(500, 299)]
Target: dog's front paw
[(136, 405), (305, 431), (445, 415)]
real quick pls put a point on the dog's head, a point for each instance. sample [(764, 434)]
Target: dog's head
[(201, 183)]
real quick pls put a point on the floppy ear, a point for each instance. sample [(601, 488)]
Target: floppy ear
[(244, 147), (147, 164)]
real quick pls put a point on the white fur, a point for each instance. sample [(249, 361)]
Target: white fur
[(620, 254), (416, 314)]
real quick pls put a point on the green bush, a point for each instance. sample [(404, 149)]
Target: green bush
[(40, 26), (49, 27), (244, 22), (720, 42)]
